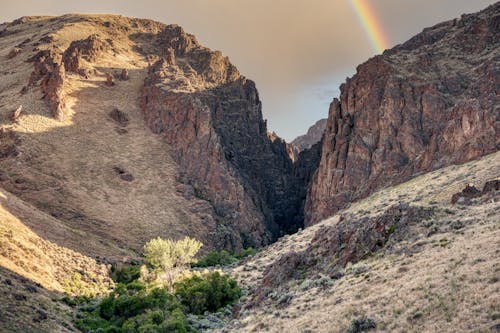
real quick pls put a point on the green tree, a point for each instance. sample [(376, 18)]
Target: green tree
[(168, 258)]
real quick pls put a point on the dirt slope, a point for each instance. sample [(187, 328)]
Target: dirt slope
[(440, 275), (73, 169)]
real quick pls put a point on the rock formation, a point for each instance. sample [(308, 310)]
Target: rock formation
[(49, 70), (422, 105), (313, 136), (212, 116), (88, 49)]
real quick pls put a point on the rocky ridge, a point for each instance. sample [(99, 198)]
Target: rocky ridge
[(313, 136), (425, 104), (235, 186)]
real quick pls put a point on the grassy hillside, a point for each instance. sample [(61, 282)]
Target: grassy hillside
[(36, 273), (440, 275), (72, 169)]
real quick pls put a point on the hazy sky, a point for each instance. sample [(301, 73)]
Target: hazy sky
[(297, 51)]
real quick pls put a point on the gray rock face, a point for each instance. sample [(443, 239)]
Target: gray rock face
[(425, 104), (313, 136)]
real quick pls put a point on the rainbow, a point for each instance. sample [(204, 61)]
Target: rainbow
[(370, 24)]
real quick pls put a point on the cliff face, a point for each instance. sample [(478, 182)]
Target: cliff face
[(425, 104), (212, 117), (313, 136)]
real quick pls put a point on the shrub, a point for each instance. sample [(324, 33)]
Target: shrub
[(223, 257), (169, 258), (167, 254), (248, 252), (216, 258), (135, 308), (362, 324), (208, 292), (125, 273)]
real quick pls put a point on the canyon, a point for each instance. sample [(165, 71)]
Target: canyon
[(117, 130)]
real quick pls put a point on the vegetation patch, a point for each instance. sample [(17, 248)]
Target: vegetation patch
[(162, 296)]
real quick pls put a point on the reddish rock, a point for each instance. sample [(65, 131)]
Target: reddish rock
[(110, 80), (51, 72), (14, 52), (348, 241), (89, 49), (53, 87), (491, 186), (212, 117), (119, 117), (466, 195), (423, 105), (470, 192), (124, 76)]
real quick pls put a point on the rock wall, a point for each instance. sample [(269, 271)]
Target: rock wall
[(425, 104), (313, 136), (212, 116)]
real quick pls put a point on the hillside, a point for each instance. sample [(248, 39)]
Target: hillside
[(102, 142), (427, 266), (116, 130), (36, 273)]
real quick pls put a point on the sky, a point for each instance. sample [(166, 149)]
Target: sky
[(297, 51)]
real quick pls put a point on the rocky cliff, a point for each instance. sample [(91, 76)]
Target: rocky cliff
[(313, 136), (212, 116), (425, 104)]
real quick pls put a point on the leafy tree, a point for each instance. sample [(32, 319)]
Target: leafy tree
[(134, 307), (168, 258)]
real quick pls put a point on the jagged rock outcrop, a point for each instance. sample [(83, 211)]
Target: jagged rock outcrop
[(470, 192), (212, 117), (89, 49), (313, 136), (49, 70), (422, 105), (348, 241)]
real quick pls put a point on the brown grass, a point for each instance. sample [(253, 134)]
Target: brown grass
[(67, 169), (445, 282)]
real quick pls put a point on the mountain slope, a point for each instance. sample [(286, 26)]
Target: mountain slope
[(428, 103), (35, 273), (124, 134), (435, 270)]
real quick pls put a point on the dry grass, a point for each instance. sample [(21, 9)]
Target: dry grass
[(27, 308), (29, 255), (67, 168), (441, 282)]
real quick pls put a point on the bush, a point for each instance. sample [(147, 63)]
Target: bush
[(362, 324), (167, 254), (223, 257), (134, 308), (170, 258), (248, 252), (216, 258), (125, 273), (208, 292)]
